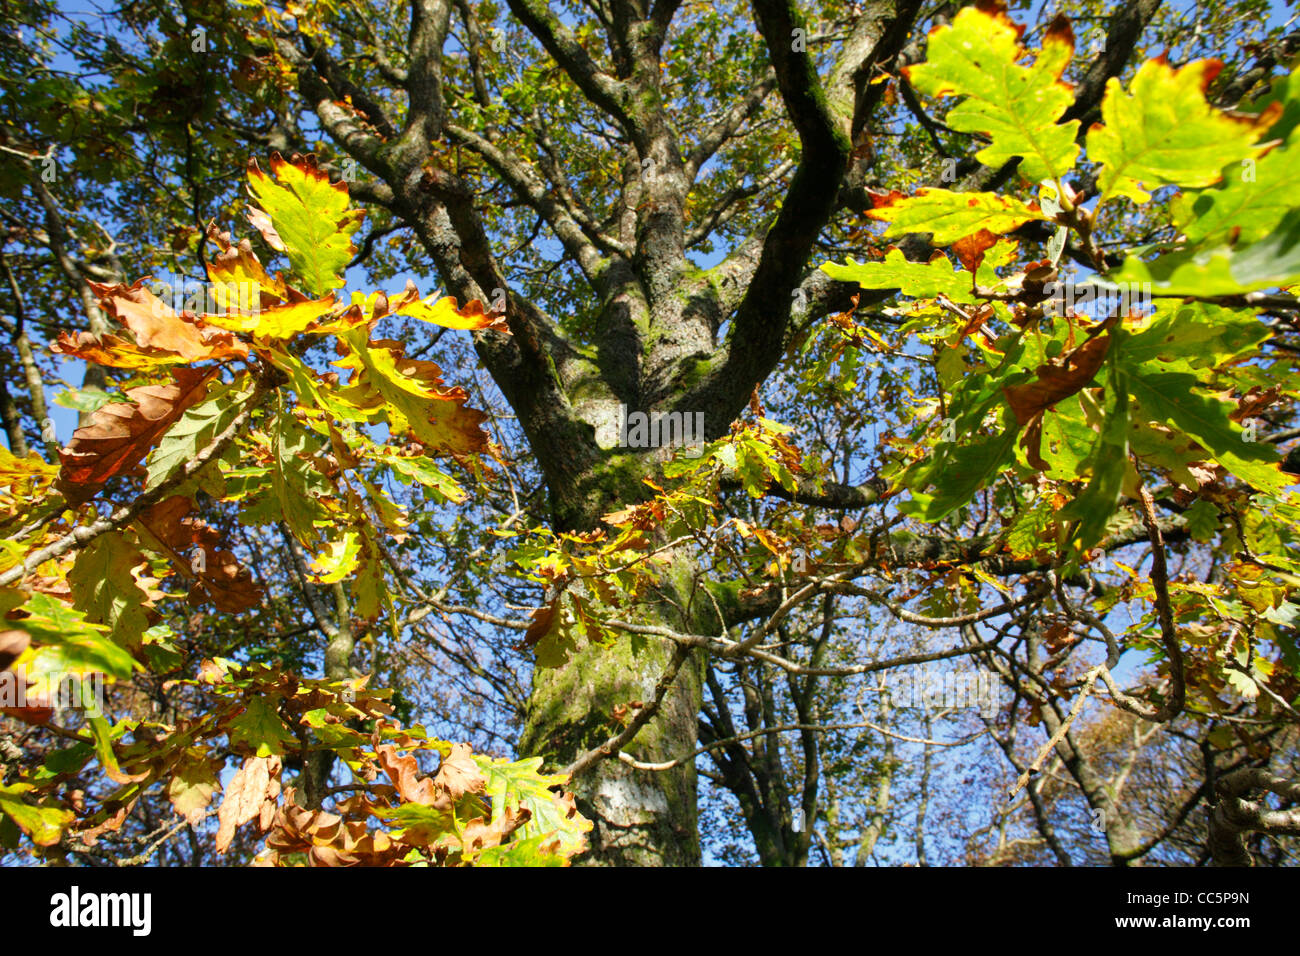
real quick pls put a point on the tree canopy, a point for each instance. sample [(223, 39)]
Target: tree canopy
[(781, 432)]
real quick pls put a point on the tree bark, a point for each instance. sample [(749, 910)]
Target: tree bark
[(641, 818)]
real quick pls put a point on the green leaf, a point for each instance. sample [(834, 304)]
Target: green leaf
[(104, 588), (1285, 92), (424, 824), (1171, 398), (1067, 440), (260, 727), (950, 216), (1028, 535), (1163, 132), (298, 485), (920, 280), (1202, 520), (958, 473), (307, 218), (533, 852), (44, 825), (422, 469), (979, 57), (1171, 450), (520, 783), (1224, 269), (1199, 334), (1093, 509), (104, 733), (195, 429), (89, 399), (1252, 200), (72, 644)]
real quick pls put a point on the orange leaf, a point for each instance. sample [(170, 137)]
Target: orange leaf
[(970, 249), (113, 351), (156, 326)]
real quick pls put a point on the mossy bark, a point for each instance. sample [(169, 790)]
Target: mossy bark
[(641, 818)]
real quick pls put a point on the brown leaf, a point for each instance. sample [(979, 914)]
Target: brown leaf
[(1032, 442), (458, 774), (542, 619), (970, 249), (220, 579), (90, 835), (976, 319), (252, 786), (157, 326), (1058, 636), (479, 833), (1254, 402), (12, 644), (1060, 31), (120, 434), (36, 707), (1058, 381), (329, 839), (192, 785), (111, 350), (403, 770), (883, 199)]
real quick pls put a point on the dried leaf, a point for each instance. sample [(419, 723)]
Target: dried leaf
[(252, 786), (12, 644), (459, 774), (1058, 381), (219, 577), (192, 786)]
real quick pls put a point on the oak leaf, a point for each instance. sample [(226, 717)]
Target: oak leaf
[(156, 326), (444, 311), (404, 771), (1058, 381), (121, 433), (255, 785), (12, 644), (411, 395), (459, 774), (191, 788), (329, 839), (219, 576)]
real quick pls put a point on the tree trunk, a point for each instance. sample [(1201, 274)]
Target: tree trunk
[(642, 818)]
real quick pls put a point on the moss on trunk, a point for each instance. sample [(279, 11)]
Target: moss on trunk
[(642, 818)]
